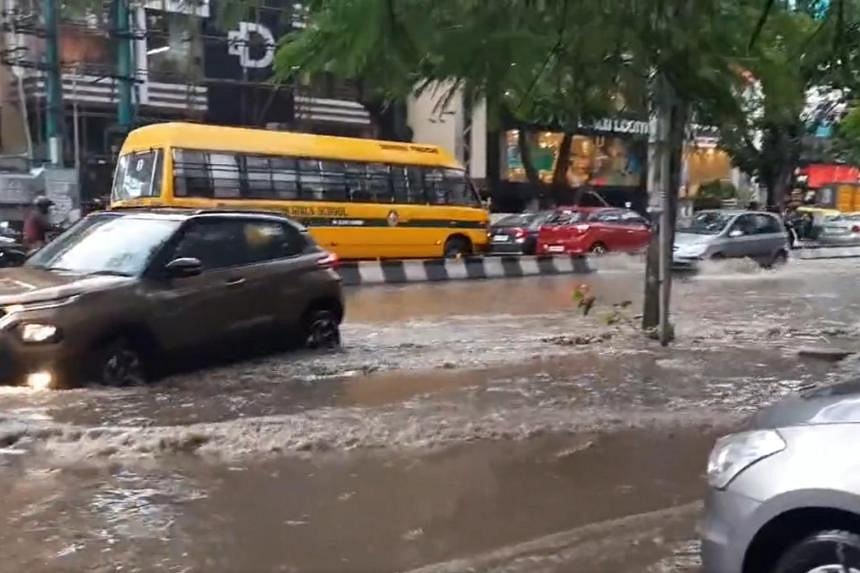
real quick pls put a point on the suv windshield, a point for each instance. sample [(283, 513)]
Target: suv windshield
[(106, 244), (137, 175), (706, 223)]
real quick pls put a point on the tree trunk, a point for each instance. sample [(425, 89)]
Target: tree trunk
[(526, 157), (562, 163), (672, 120)]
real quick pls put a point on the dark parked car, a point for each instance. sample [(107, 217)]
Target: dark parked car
[(119, 291), (785, 494), (596, 230), (517, 234)]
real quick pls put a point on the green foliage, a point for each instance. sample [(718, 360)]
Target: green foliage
[(721, 190), (846, 141)]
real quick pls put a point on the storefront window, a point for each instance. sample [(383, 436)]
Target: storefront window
[(599, 161), (706, 165)]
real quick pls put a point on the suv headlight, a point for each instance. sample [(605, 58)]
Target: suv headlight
[(734, 453)]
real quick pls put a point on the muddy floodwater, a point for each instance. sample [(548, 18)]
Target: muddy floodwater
[(484, 426)]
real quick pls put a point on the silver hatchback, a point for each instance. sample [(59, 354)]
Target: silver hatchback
[(841, 229), (726, 234), (785, 494)]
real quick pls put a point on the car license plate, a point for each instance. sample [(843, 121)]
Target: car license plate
[(501, 238), (556, 249), (836, 230)]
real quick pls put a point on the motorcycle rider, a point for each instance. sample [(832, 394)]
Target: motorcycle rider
[(37, 224)]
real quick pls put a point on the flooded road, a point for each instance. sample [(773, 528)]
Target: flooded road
[(464, 426)]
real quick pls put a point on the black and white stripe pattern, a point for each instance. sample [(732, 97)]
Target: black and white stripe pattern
[(408, 271)]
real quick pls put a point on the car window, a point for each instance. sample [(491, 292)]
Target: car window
[(606, 217), (216, 243), (767, 225), (632, 218), (226, 243), (706, 223), (564, 218), (521, 220), (745, 224), (269, 240)]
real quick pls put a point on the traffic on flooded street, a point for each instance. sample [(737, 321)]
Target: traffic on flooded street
[(429, 286), (462, 426)]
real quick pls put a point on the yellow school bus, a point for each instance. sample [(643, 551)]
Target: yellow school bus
[(359, 198)]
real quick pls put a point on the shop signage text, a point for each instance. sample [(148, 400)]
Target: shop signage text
[(625, 126)]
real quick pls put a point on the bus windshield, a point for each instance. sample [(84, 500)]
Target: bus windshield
[(137, 175)]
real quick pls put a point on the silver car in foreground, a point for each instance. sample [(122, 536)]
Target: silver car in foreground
[(785, 494), (728, 234), (841, 230)]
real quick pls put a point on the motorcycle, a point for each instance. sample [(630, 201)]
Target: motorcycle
[(12, 252)]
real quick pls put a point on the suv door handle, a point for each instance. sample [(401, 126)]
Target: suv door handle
[(237, 282)]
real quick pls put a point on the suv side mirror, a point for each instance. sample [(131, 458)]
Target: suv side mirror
[(734, 233), (183, 267)]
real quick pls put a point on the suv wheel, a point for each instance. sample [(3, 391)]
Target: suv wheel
[(118, 363), (322, 329), (823, 552)]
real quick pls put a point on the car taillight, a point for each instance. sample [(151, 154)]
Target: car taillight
[(329, 261), (519, 233), (855, 229)]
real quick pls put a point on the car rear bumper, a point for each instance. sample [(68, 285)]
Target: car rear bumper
[(561, 249), (506, 248), (721, 528)]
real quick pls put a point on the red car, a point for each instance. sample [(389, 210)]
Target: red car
[(597, 230)]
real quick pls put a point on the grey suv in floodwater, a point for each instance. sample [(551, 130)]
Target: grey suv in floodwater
[(785, 494), (120, 291), (727, 234)]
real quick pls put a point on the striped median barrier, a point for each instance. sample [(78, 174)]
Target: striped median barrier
[(469, 268), (812, 252)]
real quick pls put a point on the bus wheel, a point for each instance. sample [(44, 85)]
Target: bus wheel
[(457, 247)]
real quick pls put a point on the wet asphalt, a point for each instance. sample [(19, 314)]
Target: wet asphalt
[(484, 426)]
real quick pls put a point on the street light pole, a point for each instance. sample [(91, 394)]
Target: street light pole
[(53, 83), (125, 112)]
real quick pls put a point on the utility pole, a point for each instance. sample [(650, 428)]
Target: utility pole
[(669, 202), (53, 83), (125, 110)]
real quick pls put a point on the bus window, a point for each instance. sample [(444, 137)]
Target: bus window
[(191, 174), (225, 175), (257, 178), (434, 183), (379, 183), (333, 181), (458, 191), (415, 178), (356, 183), (400, 183), (138, 175), (285, 177), (310, 179)]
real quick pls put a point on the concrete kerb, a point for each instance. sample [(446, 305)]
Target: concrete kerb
[(469, 268)]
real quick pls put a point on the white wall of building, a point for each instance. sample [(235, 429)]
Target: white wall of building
[(435, 124)]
